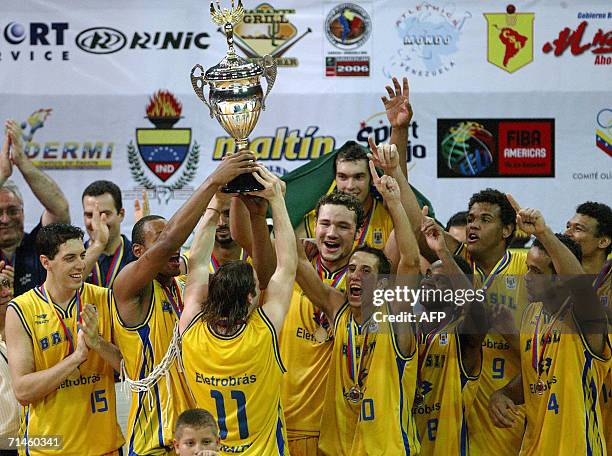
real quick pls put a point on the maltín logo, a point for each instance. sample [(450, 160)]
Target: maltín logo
[(496, 148), (163, 149), (101, 40)]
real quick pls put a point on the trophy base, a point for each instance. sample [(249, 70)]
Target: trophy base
[(244, 183)]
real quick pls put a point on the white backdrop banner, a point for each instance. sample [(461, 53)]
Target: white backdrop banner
[(515, 97)]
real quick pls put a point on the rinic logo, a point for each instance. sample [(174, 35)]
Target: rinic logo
[(163, 149), (348, 26), (101, 40), (510, 39)]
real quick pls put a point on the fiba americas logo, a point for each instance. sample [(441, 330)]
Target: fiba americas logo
[(496, 148)]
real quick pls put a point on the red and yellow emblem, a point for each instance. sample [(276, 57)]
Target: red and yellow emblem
[(510, 39)]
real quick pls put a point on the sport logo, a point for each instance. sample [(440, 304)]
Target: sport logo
[(266, 30), (348, 26), (101, 40), (496, 148), (163, 149), (430, 34), (510, 39), (603, 137)]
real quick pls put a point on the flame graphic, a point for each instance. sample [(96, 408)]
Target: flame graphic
[(163, 104)]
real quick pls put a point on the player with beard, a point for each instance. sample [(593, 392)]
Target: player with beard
[(591, 228), (148, 305), (352, 174), (450, 353), (491, 224), (371, 382), (565, 351)]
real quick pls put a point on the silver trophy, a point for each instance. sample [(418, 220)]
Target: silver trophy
[(236, 97)]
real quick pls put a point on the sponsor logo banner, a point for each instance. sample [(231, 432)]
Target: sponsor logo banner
[(163, 150), (348, 46), (510, 39), (496, 148), (268, 30), (430, 34)]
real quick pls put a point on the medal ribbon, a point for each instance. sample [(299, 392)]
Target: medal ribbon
[(113, 268), (352, 351), (67, 333), (174, 296), (601, 277), (535, 346), (214, 263), (8, 260), (366, 225), (500, 265)]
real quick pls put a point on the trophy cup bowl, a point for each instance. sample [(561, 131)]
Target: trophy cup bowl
[(236, 97)]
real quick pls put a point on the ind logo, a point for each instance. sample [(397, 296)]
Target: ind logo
[(163, 149)]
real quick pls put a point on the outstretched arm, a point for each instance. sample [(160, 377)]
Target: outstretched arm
[(137, 275), (202, 246), (280, 288), (44, 188)]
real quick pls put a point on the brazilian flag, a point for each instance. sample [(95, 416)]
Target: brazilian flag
[(306, 184)]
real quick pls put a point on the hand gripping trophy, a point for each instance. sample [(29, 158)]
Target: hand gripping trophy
[(236, 97)]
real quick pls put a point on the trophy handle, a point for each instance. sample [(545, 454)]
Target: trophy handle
[(198, 84), (270, 74)]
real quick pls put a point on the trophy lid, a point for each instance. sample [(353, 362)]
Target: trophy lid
[(233, 67)]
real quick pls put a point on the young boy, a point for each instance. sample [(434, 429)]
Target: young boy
[(196, 434)]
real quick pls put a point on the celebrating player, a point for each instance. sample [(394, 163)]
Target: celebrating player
[(229, 342)]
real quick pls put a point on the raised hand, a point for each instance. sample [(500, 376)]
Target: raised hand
[(386, 185), (17, 154), (434, 235), (140, 212), (6, 166), (271, 183), (99, 228), (384, 156), (232, 166), (528, 220), (397, 106)]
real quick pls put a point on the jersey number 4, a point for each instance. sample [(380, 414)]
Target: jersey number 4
[(240, 398)]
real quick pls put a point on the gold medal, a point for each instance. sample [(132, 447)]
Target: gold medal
[(320, 334), (540, 387), (354, 395)]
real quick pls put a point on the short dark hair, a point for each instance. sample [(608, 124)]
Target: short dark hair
[(384, 266), (342, 199), (228, 290), (350, 151), (195, 418), (100, 187), (567, 241), (458, 219), (492, 196), (603, 214), (52, 236), (138, 229)]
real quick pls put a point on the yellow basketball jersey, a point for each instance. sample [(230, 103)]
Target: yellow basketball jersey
[(375, 230), (342, 405), (386, 425), (448, 392), (307, 349), (153, 415), (563, 410), (500, 364), (214, 263), (237, 378), (82, 410), (603, 285)]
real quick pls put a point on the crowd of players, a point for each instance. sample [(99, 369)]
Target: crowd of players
[(267, 345)]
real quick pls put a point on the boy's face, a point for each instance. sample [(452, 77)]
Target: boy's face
[(196, 441)]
